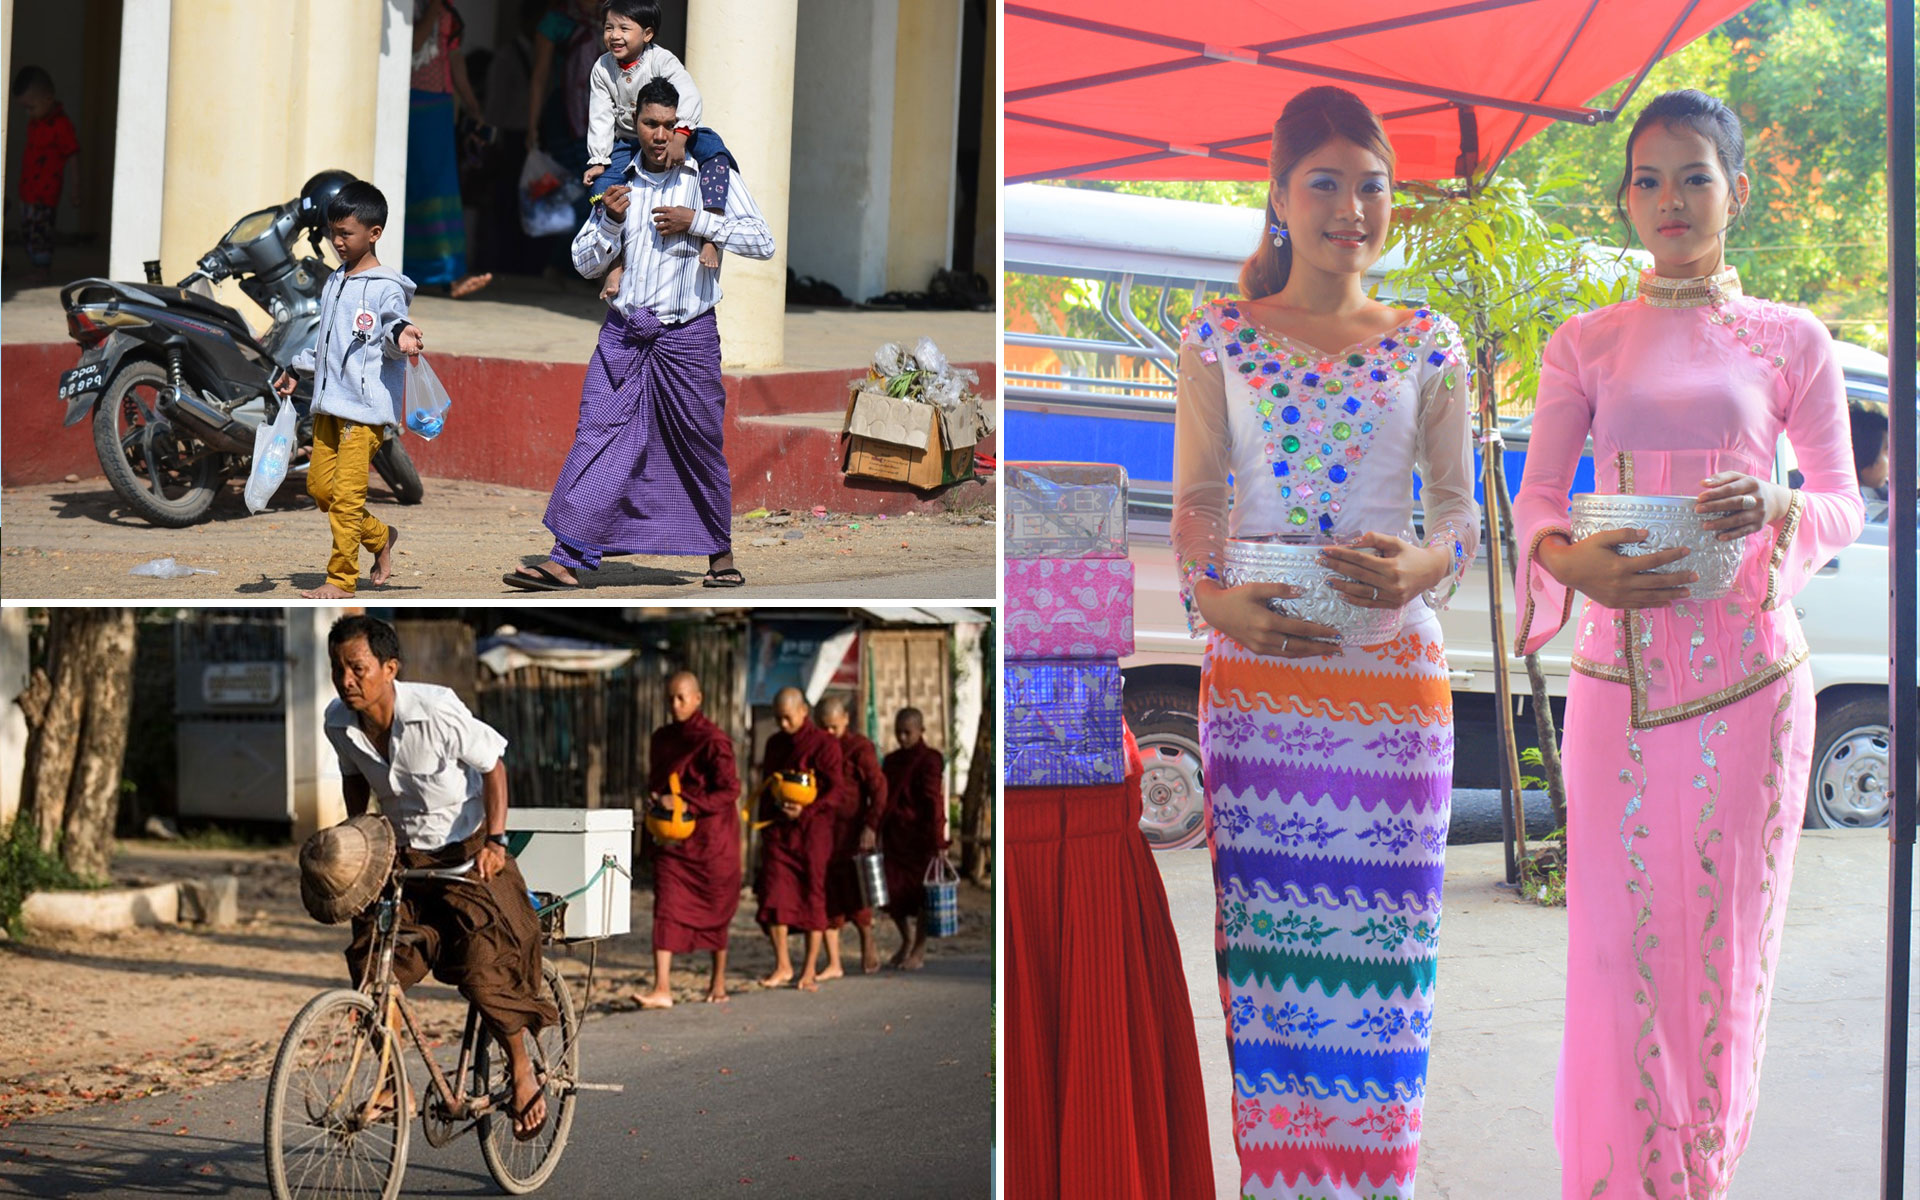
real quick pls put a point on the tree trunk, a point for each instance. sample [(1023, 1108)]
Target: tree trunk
[(976, 803), (79, 743), (1549, 739)]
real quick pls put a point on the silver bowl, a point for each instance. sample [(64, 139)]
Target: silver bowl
[(1295, 559), (1670, 522)]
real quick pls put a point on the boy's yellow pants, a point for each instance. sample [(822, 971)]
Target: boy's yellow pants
[(337, 481)]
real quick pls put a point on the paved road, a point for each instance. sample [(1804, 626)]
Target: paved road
[(1488, 1123), (877, 1087)]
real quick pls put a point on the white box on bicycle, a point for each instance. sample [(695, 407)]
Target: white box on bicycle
[(588, 851)]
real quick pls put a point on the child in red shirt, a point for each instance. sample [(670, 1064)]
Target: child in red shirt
[(50, 143)]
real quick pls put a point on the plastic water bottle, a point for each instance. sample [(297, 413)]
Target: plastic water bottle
[(274, 462)]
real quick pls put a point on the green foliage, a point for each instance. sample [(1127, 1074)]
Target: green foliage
[(1543, 874), (1530, 756), (1505, 274), (25, 869), (1808, 82)]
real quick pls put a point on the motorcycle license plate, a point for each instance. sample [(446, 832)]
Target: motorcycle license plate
[(87, 377)]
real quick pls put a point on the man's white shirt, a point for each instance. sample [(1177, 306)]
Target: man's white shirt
[(430, 782), (664, 272)]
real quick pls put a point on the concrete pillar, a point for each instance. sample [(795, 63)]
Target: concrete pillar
[(843, 143), (742, 53), (394, 79), (6, 73), (140, 153), (926, 102), (313, 771), (253, 91), (14, 672)]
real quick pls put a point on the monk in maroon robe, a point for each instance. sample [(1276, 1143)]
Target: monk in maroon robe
[(912, 832), (696, 883), (798, 840), (856, 825)]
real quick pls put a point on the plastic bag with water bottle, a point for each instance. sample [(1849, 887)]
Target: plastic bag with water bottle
[(427, 399), (272, 451)]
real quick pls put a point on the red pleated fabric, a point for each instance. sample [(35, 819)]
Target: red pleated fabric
[(1103, 1091)]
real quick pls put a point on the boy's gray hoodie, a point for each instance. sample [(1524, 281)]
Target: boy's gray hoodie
[(359, 372)]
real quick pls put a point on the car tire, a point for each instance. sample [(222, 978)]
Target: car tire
[(1849, 785), (1166, 723)]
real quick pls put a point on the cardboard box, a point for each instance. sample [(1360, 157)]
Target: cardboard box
[(902, 441), (562, 850)]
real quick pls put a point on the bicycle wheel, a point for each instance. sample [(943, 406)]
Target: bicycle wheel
[(517, 1166), (320, 1140)]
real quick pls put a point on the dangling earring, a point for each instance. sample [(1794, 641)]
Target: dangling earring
[(1279, 233)]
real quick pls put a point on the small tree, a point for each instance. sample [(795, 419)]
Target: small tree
[(77, 707), (1508, 277)]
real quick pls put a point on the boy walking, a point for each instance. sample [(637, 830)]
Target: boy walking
[(357, 384)]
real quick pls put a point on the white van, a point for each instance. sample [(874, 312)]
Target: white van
[(1130, 247)]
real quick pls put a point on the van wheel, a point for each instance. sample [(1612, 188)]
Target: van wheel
[(1852, 766), (1166, 723)]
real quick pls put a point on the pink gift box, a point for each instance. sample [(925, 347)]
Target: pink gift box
[(1069, 608)]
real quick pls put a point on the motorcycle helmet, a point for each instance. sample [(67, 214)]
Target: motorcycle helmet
[(670, 822), (319, 192)]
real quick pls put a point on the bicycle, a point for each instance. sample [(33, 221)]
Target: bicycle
[(339, 1099)]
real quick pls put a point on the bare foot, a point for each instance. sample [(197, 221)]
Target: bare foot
[(777, 979), (383, 561), (716, 996), (611, 287), (653, 999), (709, 255), (830, 973), (915, 961), (869, 961), (529, 1105), (327, 591), (467, 285), (899, 956), (806, 983)]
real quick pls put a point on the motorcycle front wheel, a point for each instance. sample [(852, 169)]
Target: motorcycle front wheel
[(164, 474), (396, 467)]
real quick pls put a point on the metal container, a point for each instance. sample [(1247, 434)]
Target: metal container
[(1295, 559), (1670, 522), (871, 869)]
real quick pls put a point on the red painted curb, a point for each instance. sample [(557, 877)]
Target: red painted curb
[(512, 424)]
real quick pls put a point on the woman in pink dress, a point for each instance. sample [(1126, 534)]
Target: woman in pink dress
[(1689, 723)]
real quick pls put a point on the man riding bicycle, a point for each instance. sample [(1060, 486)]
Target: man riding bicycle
[(438, 774)]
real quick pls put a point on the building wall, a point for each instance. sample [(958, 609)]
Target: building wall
[(843, 143), (926, 96)]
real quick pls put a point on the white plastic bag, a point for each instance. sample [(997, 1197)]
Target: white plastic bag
[(547, 196), (427, 400), (272, 451)]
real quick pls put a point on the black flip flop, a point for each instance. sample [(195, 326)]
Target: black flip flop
[(730, 577), (518, 1114), (542, 580)]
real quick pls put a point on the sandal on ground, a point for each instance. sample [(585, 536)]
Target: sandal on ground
[(727, 578), (541, 580)]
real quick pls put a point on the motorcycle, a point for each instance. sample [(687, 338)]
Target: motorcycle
[(176, 382)]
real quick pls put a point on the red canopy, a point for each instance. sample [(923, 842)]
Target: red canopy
[(1144, 89)]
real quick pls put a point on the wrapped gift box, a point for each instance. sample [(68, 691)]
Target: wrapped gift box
[(1068, 608), (1064, 723), (1066, 510)]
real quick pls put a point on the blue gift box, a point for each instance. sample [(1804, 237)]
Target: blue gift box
[(1064, 723)]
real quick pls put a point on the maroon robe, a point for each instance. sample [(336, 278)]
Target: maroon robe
[(696, 883), (793, 860), (911, 829), (861, 808)]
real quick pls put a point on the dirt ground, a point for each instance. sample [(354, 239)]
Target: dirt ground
[(75, 540), (86, 1020)]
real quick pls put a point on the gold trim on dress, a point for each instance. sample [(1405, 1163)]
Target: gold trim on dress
[(1697, 292), (1789, 525), (1566, 610)]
